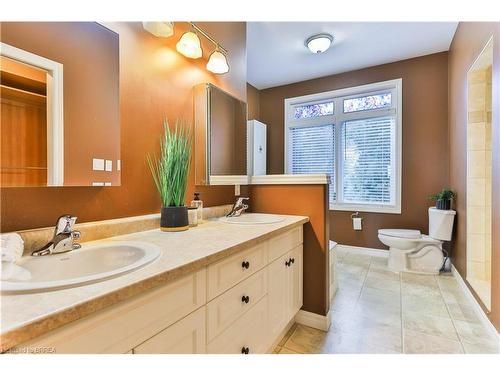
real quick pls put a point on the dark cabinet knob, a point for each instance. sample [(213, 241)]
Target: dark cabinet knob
[(245, 299), (292, 260), (287, 263), (245, 350), (245, 264)]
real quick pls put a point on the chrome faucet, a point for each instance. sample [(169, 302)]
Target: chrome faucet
[(239, 207), (63, 239)]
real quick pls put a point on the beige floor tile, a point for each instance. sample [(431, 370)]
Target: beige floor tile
[(413, 278), (287, 335), (288, 351), (306, 340), (380, 296), (424, 291), (456, 296), (380, 263), (421, 343), (430, 305), (383, 283), (463, 312), (356, 259), (383, 274), (431, 325), (475, 334), (481, 349), (356, 343)]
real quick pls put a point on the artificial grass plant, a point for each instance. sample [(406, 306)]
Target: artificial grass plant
[(171, 168)]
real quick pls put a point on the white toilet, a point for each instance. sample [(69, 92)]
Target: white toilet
[(411, 251)]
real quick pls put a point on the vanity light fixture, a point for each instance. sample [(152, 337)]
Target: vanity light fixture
[(319, 43), (189, 45), (159, 29), (217, 63)]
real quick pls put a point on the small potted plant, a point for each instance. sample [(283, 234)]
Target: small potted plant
[(170, 172), (443, 199)]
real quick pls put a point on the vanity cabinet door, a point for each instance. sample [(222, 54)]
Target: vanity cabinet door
[(295, 281), (278, 274), (187, 336)]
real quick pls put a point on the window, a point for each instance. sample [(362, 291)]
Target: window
[(358, 146)]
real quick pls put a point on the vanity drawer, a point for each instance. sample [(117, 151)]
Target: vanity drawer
[(249, 331), (230, 271), (225, 309), (187, 336), (285, 242), (125, 325)]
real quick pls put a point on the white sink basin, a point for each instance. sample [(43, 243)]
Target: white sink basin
[(90, 264), (253, 219)]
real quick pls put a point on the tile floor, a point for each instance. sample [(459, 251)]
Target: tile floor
[(378, 311)]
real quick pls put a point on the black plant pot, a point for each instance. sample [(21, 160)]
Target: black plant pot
[(174, 219), (443, 204)]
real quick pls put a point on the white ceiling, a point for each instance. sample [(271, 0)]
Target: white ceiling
[(276, 53)]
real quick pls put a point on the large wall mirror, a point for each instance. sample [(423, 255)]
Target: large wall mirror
[(479, 171), (59, 104), (220, 137)]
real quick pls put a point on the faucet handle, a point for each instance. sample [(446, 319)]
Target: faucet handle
[(65, 224)]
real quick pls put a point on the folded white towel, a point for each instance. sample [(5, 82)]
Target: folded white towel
[(13, 272), (11, 247)]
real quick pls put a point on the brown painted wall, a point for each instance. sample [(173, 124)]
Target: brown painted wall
[(311, 201), (425, 133), (253, 102), (155, 81), (89, 54), (469, 40)]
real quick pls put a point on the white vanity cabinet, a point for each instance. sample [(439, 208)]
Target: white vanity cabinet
[(241, 304)]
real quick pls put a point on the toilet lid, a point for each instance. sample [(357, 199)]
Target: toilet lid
[(403, 233)]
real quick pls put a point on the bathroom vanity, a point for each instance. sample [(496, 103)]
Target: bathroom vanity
[(213, 289)]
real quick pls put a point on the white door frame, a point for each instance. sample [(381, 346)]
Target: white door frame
[(55, 109)]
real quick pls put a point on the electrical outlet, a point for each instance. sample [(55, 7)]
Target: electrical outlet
[(237, 190)]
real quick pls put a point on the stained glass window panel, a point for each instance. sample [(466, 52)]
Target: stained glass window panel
[(365, 103), (313, 110)]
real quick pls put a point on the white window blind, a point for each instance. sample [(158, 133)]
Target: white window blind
[(313, 151), (368, 175)]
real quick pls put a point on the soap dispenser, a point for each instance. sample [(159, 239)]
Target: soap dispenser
[(198, 203)]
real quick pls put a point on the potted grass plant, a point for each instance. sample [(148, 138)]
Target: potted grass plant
[(443, 199), (170, 173)]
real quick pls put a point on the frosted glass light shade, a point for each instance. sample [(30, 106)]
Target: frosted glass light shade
[(217, 63), (159, 29), (189, 45), (319, 43)]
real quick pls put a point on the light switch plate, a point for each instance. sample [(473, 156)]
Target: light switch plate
[(109, 165), (107, 184), (97, 183), (97, 164), (118, 165), (237, 190)]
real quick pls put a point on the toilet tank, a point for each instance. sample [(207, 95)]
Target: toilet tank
[(441, 223)]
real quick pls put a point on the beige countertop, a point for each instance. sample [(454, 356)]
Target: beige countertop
[(26, 316)]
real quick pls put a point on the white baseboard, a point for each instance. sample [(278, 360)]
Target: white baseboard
[(479, 311), (313, 320), (364, 250)]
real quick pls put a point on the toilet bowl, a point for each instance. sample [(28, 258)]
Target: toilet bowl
[(412, 251)]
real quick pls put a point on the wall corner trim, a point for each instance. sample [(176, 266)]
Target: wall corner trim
[(290, 179), (313, 320), (475, 305)]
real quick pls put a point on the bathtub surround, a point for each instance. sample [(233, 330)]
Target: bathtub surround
[(468, 42)]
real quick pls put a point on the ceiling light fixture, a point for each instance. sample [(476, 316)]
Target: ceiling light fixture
[(189, 45), (159, 29), (319, 43)]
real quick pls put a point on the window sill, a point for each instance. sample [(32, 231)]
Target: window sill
[(366, 208)]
